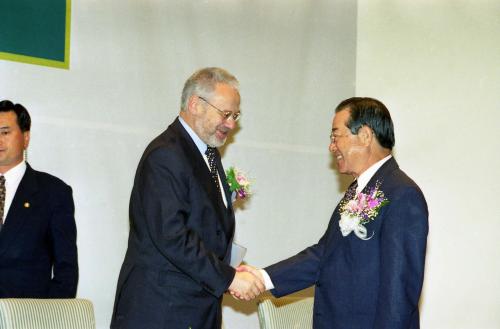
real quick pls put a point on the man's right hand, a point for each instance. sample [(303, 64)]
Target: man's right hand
[(246, 286)]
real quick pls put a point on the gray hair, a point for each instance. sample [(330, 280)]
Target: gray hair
[(203, 82)]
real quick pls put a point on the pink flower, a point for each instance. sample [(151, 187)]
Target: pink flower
[(364, 206), (352, 206), (242, 180)]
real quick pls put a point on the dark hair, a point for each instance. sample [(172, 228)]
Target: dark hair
[(23, 117), (365, 111)]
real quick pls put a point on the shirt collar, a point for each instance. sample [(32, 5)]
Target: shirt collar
[(365, 177), (202, 147), (15, 173)]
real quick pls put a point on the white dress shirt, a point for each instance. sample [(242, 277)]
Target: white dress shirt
[(12, 179), (365, 177)]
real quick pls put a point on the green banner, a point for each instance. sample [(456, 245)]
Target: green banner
[(35, 31)]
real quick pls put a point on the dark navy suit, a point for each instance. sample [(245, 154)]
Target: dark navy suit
[(366, 284), (38, 237), (176, 266)]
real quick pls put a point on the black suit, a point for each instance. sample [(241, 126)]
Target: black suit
[(38, 237), (176, 267)]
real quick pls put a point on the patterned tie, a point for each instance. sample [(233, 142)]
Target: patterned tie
[(351, 191), (354, 186), (211, 156), (2, 199)]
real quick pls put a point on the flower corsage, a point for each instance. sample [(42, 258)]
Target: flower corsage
[(239, 185), (356, 210)]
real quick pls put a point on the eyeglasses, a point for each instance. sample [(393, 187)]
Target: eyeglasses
[(225, 114), (333, 137)]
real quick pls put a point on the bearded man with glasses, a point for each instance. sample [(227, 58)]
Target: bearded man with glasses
[(181, 219)]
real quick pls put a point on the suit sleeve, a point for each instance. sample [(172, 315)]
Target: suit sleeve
[(403, 245), (297, 272), (166, 205), (63, 239)]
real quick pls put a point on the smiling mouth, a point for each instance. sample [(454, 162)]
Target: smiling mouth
[(223, 134)]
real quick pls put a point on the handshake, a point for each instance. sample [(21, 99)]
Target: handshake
[(247, 284)]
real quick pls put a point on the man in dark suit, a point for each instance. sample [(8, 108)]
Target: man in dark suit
[(368, 267), (176, 268), (38, 253)]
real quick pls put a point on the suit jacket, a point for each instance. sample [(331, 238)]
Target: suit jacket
[(38, 238), (176, 266), (366, 284)]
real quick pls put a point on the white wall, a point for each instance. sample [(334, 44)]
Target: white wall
[(436, 65), (295, 61)]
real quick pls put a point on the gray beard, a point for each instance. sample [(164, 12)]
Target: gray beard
[(214, 142), (210, 140)]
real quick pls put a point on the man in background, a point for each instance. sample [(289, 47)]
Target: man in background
[(368, 267), (38, 253), (176, 268)]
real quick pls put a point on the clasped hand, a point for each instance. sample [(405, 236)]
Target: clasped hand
[(247, 284)]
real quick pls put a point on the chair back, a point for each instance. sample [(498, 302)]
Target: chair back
[(27, 313), (286, 313)]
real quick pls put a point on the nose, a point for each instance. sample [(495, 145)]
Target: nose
[(230, 123), (332, 148)]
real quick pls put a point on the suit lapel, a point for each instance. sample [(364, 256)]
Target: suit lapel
[(229, 212), (19, 209), (334, 230), (202, 174), (388, 167), (335, 234), (223, 178)]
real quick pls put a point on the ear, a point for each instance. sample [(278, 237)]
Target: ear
[(26, 136), (366, 135), (192, 104)]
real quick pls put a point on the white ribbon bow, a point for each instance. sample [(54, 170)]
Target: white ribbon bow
[(350, 223)]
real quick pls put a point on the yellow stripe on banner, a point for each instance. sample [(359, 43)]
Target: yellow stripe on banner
[(34, 60), (68, 33)]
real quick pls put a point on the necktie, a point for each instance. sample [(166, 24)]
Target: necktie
[(211, 156), (351, 191), (354, 186), (2, 199)]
